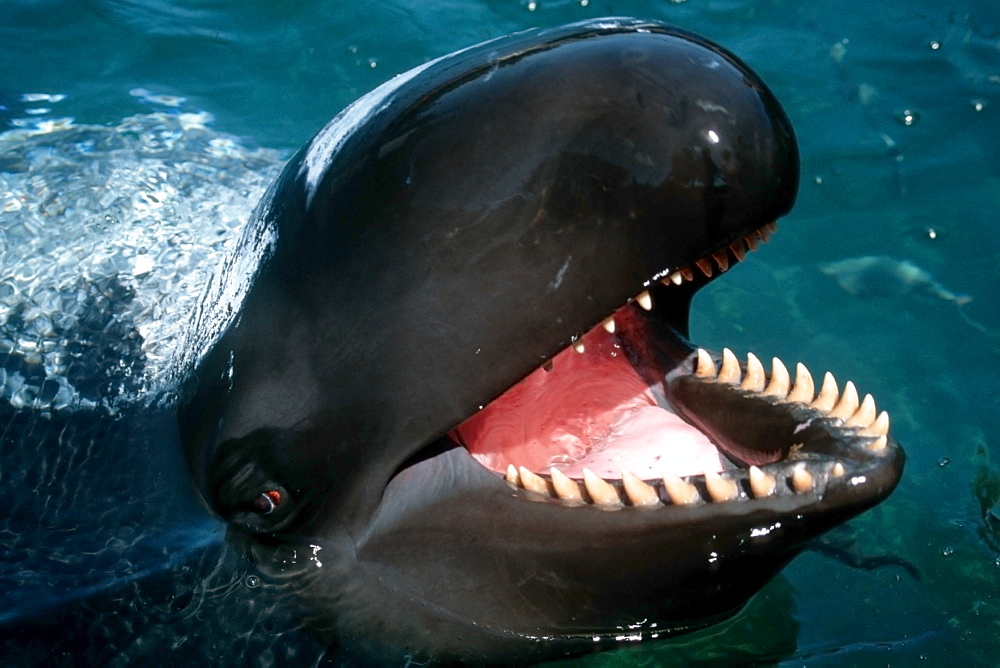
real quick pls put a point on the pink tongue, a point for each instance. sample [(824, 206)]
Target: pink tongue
[(592, 410)]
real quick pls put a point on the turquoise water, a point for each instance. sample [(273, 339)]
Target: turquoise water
[(897, 110)]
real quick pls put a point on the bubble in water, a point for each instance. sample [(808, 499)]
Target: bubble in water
[(977, 105), (944, 461), (907, 117), (252, 581), (934, 45), (948, 551)]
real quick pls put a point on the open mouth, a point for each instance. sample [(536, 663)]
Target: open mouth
[(632, 416)]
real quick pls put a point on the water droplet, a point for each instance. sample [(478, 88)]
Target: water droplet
[(944, 461), (908, 117)]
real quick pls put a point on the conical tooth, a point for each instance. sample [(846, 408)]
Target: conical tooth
[(512, 477), (802, 480), (639, 492), (804, 388), (739, 250), (705, 266), (778, 387), (578, 346), (532, 482), (609, 325), (865, 414), (837, 470), (687, 273), (754, 380), (674, 278), (548, 365), (722, 259), (752, 242), (719, 488), (879, 444), (766, 231), (566, 488), (761, 484), (848, 403), (828, 394), (681, 493), (730, 371), (880, 427), (705, 367), (601, 492), (644, 300)]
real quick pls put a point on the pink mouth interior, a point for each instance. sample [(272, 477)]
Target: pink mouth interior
[(592, 410)]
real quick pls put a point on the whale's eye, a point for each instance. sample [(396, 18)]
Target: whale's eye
[(267, 501)]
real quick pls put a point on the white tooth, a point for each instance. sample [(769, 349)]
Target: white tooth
[(730, 371), (880, 427), (828, 394), (754, 380), (566, 488), (532, 482), (804, 388), (578, 346), (706, 367), (676, 278), (778, 387), (802, 480), (848, 403), (681, 493), (865, 414), (640, 493), (879, 444), (609, 325), (601, 492), (761, 484), (644, 300), (719, 488), (837, 470), (512, 476), (739, 250), (705, 266)]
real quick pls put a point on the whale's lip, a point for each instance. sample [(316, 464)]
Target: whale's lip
[(683, 428)]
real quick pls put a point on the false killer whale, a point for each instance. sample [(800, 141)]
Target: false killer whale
[(444, 386)]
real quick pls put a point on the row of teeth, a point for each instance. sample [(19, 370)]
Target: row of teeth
[(739, 249), (854, 413), (631, 490), (859, 415)]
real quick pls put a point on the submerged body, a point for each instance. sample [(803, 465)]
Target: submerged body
[(533, 214), (885, 276)]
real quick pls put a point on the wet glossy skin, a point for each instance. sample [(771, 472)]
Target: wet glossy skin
[(432, 246)]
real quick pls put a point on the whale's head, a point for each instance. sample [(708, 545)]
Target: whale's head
[(452, 401)]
